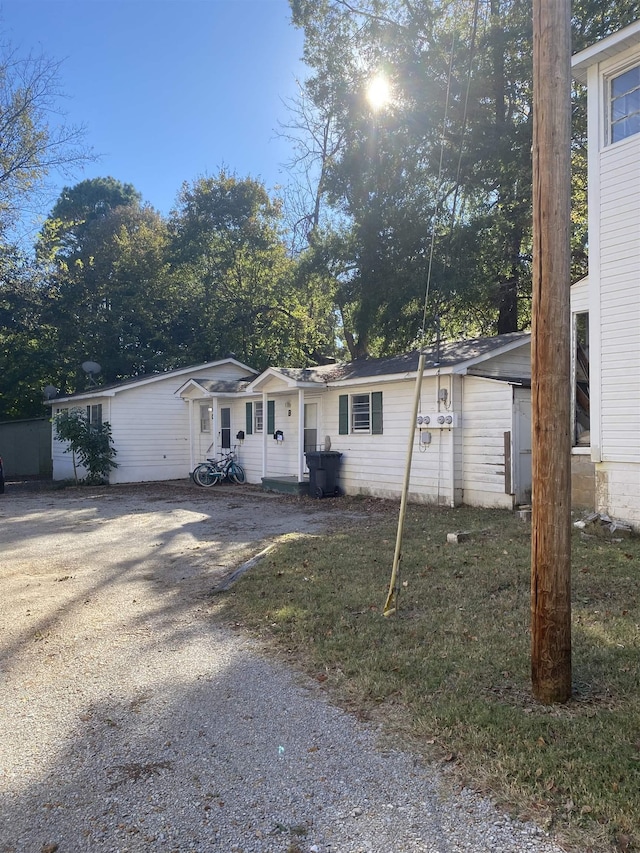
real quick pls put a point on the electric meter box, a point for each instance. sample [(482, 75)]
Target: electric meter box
[(438, 420)]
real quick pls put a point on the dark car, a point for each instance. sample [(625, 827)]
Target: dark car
[(1, 477)]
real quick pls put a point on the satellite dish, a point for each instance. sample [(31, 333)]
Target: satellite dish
[(91, 368), (50, 391)]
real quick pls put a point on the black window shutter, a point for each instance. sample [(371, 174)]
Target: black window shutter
[(271, 416), (249, 418), (343, 414), (376, 413)]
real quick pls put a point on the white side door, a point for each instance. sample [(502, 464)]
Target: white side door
[(521, 450)]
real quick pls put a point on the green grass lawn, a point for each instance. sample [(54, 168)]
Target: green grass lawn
[(449, 674)]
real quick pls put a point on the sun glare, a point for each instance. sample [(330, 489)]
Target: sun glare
[(378, 92)]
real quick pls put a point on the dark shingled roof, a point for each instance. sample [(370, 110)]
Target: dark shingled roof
[(448, 354), (221, 385)]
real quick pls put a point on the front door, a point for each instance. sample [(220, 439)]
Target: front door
[(225, 428), (310, 427), (204, 427)]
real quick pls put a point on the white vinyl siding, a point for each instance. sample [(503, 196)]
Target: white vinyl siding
[(613, 288), (516, 363), (282, 456), (620, 303), (62, 462), (487, 416), (150, 427), (374, 464)]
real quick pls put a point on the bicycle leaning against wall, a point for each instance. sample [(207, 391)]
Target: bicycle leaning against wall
[(214, 471)]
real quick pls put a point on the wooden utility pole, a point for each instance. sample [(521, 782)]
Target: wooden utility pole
[(551, 360)]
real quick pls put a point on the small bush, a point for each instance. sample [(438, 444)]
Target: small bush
[(90, 444)]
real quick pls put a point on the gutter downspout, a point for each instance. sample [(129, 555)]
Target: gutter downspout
[(452, 449), (192, 462), (265, 421), (300, 434)]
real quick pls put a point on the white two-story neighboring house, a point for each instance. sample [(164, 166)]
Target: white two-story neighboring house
[(606, 306)]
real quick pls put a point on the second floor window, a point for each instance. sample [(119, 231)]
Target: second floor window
[(625, 104)]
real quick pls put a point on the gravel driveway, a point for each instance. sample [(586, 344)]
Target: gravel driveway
[(131, 721)]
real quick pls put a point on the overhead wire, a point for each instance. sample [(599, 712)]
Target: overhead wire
[(393, 595)]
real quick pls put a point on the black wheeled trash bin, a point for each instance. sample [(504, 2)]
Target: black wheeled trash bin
[(323, 466)]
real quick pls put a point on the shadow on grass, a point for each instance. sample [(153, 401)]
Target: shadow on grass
[(452, 671)]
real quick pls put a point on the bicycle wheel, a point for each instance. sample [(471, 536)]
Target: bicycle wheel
[(206, 474), (236, 473), (195, 473)]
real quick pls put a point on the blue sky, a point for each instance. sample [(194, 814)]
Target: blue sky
[(169, 89)]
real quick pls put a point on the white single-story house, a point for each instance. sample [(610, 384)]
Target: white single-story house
[(472, 442), (606, 305), (149, 425)]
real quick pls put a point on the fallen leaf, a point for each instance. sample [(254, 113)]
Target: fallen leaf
[(623, 842)]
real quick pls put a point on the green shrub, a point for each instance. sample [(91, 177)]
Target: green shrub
[(90, 444)]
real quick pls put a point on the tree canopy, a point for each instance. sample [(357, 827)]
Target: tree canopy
[(32, 144), (403, 220), (437, 184)]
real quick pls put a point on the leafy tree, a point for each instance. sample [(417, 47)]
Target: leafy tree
[(91, 445), (27, 345), (77, 210), (230, 256), (450, 157), (391, 178), (112, 297), (31, 143)]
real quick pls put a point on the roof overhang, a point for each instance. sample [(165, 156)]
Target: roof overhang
[(518, 381), (192, 388), (93, 394), (128, 384), (272, 377), (464, 366), (390, 377), (607, 47)]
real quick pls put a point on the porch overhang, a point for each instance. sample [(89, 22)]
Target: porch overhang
[(274, 381)]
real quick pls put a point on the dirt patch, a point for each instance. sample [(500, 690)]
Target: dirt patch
[(183, 527)]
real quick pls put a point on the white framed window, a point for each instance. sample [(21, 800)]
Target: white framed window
[(581, 403), (94, 415), (624, 101), (360, 413), (258, 418), (205, 417)]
